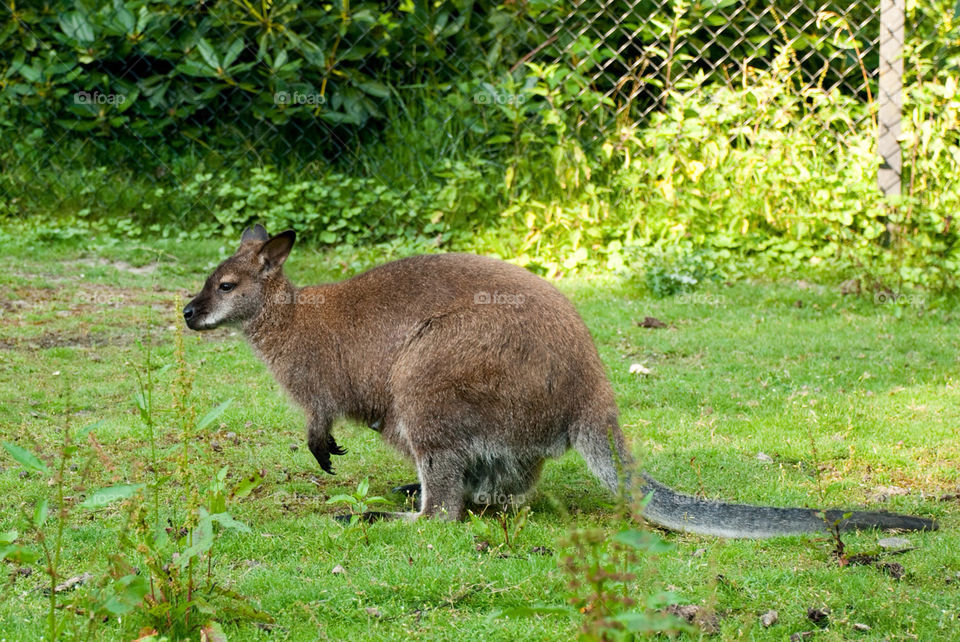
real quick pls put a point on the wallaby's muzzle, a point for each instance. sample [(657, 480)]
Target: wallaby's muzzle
[(192, 315)]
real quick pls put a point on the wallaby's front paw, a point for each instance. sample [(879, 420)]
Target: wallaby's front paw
[(322, 448)]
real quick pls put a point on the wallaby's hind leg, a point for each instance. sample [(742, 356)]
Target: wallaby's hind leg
[(603, 447), (441, 483)]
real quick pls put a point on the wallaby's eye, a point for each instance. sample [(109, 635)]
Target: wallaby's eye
[(226, 287)]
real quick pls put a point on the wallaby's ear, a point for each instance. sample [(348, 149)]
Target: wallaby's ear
[(256, 233), (275, 251)]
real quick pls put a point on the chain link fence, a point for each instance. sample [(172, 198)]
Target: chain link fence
[(153, 86), (652, 48)]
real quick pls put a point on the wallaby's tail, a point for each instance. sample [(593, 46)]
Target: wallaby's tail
[(678, 512)]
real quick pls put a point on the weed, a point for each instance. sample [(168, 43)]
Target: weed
[(359, 504)]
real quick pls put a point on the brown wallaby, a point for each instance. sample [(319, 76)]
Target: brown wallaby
[(474, 368)]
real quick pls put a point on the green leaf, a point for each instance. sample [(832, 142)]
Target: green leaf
[(644, 540), (106, 496), (211, 416), (247, 485), (127, 593), (227, 521), (8, 537), (77, 27), (212, 632), (235, 49), (363, 487), (639, 622), (208, 54), (26, 458), (374, 88), (19, 554), (343, 499), (202, 539), (86, 430), (40, 513)]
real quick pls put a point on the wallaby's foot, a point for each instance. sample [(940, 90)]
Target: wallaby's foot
[(372, 516), (409, 490), (411, 493)]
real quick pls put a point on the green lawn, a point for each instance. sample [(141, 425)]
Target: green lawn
[(848, 398)]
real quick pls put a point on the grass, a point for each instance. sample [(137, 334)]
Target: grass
[(846, 396)]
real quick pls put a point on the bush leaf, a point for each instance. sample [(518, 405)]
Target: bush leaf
[(106, 496), (26, 458)]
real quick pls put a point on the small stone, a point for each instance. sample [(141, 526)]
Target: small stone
[(860, 626), (216, 446), (338, 570), (769, 618), (373, 612), (640, 369), (232, 436), (893, 569), (819, 616), (652, 322), (883, 493), (699, 552), (895, 542), (764, 457), (25, 571), (72, 583), (705, 619), (294, 447), (850, 286)]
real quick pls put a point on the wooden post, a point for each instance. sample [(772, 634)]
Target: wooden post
[(890, 96)]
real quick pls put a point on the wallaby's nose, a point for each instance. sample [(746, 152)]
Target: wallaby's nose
[(188, 312)]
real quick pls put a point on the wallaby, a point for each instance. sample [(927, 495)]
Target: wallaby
[(475, 369)]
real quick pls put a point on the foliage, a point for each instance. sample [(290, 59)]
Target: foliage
[(604, 587), (498, 153), (135, 70), (507, 525), (175, 546), (168, 589), (359, 504), (115, 594)]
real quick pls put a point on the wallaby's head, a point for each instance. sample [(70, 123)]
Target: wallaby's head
[(240, 286)]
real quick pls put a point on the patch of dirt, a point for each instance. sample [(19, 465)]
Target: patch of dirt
[(122, 266), (65, 340)]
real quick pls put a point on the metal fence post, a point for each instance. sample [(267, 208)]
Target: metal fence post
[(890, 96)]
